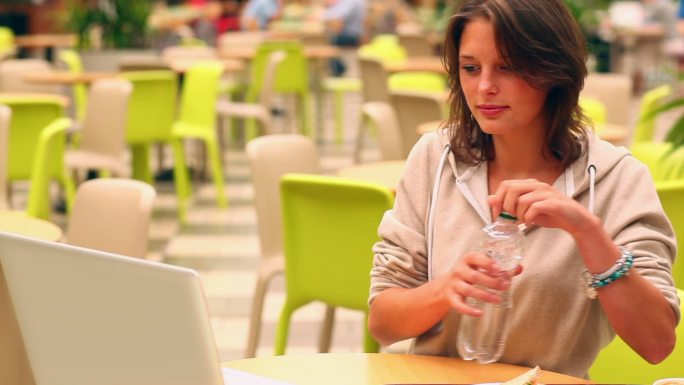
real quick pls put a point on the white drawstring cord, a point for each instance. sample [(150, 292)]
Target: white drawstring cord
[(433, 208), (592, 179)]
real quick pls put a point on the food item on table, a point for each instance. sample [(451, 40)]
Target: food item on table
[(527, 378)]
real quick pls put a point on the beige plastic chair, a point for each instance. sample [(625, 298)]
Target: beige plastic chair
[(260, 111), (5, 115), (112, 215), (614, 91), (416, 45), (270, 157), (383, 117), (374, 79), (414, 108), (12, 76), (103, 137)]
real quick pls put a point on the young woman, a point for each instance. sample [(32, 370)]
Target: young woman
[(518, 142)]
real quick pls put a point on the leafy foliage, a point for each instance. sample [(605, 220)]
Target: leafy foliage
[(123, 22)]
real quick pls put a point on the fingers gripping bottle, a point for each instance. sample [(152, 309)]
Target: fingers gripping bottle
[(483, 338)]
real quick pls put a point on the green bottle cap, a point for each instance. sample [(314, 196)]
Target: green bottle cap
[(508, 216)]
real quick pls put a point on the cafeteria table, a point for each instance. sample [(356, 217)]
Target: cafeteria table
[(384, 368), (387, 173)]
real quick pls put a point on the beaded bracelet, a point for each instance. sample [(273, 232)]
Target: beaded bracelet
[(619, 269)]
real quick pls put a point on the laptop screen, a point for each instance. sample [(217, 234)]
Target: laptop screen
[(89, 317)]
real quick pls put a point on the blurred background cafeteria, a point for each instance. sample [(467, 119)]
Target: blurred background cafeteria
[(208, 103)]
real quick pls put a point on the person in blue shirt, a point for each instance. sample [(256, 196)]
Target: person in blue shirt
[(345, 24), (259, 13)]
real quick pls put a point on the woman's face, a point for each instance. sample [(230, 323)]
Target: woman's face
[(500, 100)]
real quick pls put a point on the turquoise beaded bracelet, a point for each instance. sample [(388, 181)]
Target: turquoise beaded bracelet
[(619, 269)]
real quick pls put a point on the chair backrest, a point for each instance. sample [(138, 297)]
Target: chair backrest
[(375, 80), (416, 45), (667, 170), (104, 127), (199, 94), (152, 91), (112, 215), (142, 63), (270, 157), (385, 48), (292, 74), (5, 116), (650, 101), (383, 117), (73, 62), (12, 76), (414, 108), (618, 363), (417, 81), (329, 227), (594, 109), (7, 46), (30, 115), (270, 79), (614, 91)]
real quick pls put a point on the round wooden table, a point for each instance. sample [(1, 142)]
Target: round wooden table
[(379, 369), (15, 368), (66, 77), (387, 173)]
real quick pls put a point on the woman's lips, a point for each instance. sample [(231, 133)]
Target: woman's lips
[(491, 110)]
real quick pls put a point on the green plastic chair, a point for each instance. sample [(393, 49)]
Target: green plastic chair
[(5, 117), (197, 120), (667, 170), (650, 101), (152, 91), (617, 363), (329, 227), (417, 81), (73, 62), (50, 142), (594, 109), (7, 46), (292, 77), (385, 48), (30, 116), (338, 87)]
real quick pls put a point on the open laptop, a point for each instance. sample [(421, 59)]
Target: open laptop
[(89, 317)]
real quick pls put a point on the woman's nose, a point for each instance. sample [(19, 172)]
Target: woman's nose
[(487, 84)]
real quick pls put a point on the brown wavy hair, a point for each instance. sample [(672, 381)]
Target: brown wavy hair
[(541, 41)]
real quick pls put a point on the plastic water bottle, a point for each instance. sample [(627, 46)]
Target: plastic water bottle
[(483, 338)]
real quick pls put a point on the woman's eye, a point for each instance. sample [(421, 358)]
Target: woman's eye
[(504, 68), (469, 68)]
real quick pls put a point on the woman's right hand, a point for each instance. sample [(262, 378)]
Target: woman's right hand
[(470, 276)]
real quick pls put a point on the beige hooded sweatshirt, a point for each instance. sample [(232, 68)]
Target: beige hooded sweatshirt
[(553, 323)]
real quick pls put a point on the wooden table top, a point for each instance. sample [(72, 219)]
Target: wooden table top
[(17, 222), (66, 77), (45, 40), (387, 173), (427, 64), (181, 65), (248, 52), (380, 369)]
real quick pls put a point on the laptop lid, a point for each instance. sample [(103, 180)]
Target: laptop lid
[(89, 317)]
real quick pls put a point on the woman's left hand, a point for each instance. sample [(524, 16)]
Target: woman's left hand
[(537, 203)]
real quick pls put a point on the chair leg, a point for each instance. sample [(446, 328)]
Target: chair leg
[(141, 162), (358, 146), (69, 187), (305, 114), (214, 153), (325, 339), (338, 101), (255, 317), (181, 178), (283, 329)]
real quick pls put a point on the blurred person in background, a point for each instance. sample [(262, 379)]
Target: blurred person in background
[(344, 20), (258, 14)]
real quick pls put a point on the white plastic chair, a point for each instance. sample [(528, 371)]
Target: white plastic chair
[(614, 91), (383, 117), (270, 157), (12, 76), (260, 111), (414, 108), (5, 116), (112, 215), (103, 136)]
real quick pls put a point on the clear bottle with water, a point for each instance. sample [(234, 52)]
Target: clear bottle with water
[(483, 338)]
